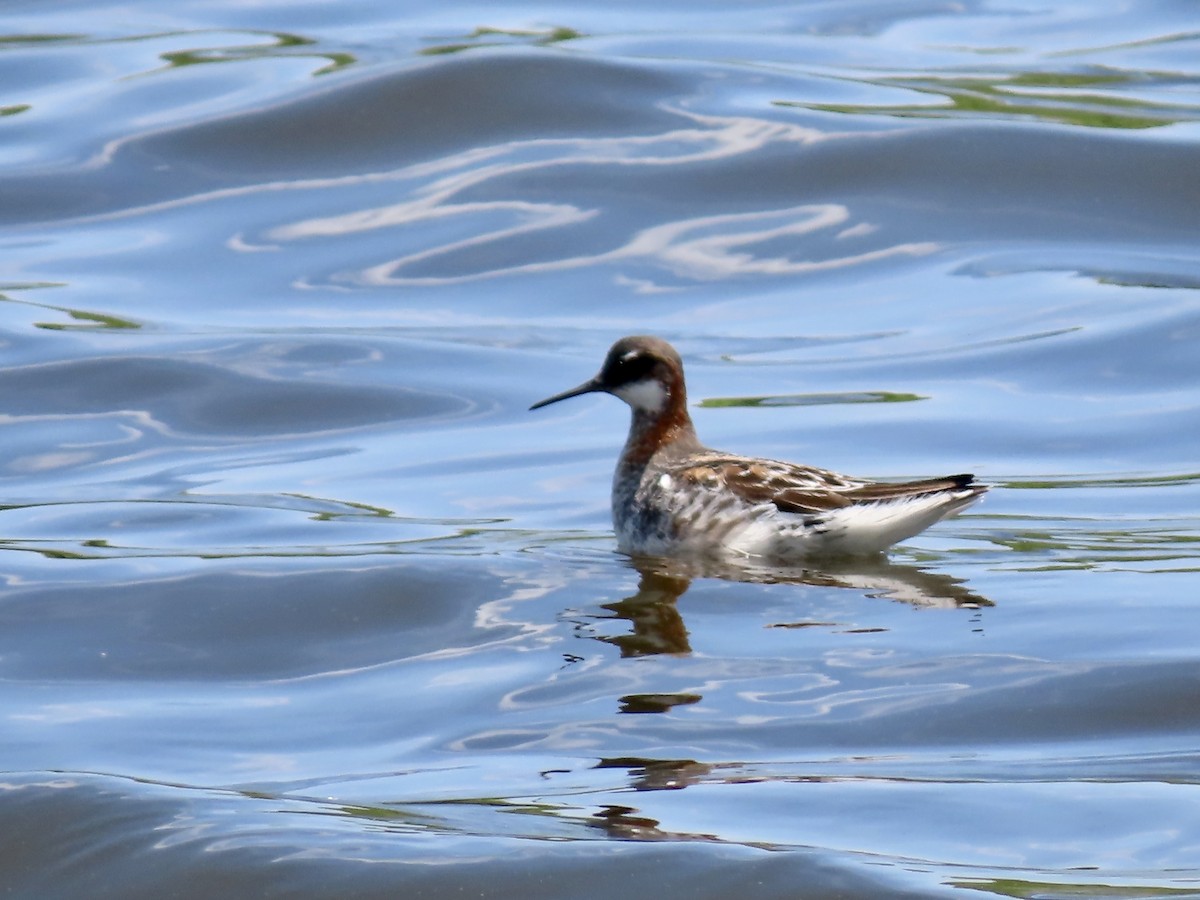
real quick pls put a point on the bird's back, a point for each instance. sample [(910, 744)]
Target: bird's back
[(707, 501)]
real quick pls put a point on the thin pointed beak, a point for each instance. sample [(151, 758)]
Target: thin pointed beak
[(588, 387)]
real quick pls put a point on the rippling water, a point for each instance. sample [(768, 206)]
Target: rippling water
[(297, 597)]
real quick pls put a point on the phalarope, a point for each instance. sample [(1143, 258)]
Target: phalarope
[(672, 495)]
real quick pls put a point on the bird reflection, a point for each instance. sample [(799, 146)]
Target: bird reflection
[(658, 626), (623, 823), (876, 576), (659, 774)]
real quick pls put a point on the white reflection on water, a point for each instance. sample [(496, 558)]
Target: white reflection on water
[(698, 247), (448, 222), (67, 713), (725, 254)]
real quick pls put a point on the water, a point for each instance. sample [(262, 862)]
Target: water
[(299, 599)]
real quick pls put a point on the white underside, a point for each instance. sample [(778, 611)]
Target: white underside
[(853, 531)]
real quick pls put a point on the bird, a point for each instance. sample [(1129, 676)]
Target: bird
[(673, 496)]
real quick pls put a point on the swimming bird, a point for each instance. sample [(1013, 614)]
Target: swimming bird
[(671, 495)]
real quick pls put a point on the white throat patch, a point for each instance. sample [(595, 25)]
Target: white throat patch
[(647, 395)]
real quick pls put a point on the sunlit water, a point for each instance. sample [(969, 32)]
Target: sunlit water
[(299, 600)]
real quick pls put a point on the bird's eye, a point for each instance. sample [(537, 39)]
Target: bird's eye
[(634, 366)]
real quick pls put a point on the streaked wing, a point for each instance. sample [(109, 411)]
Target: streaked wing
[(803, 490), (790, 488)]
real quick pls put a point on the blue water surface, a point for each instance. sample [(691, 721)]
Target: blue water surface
[(300, 600)]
